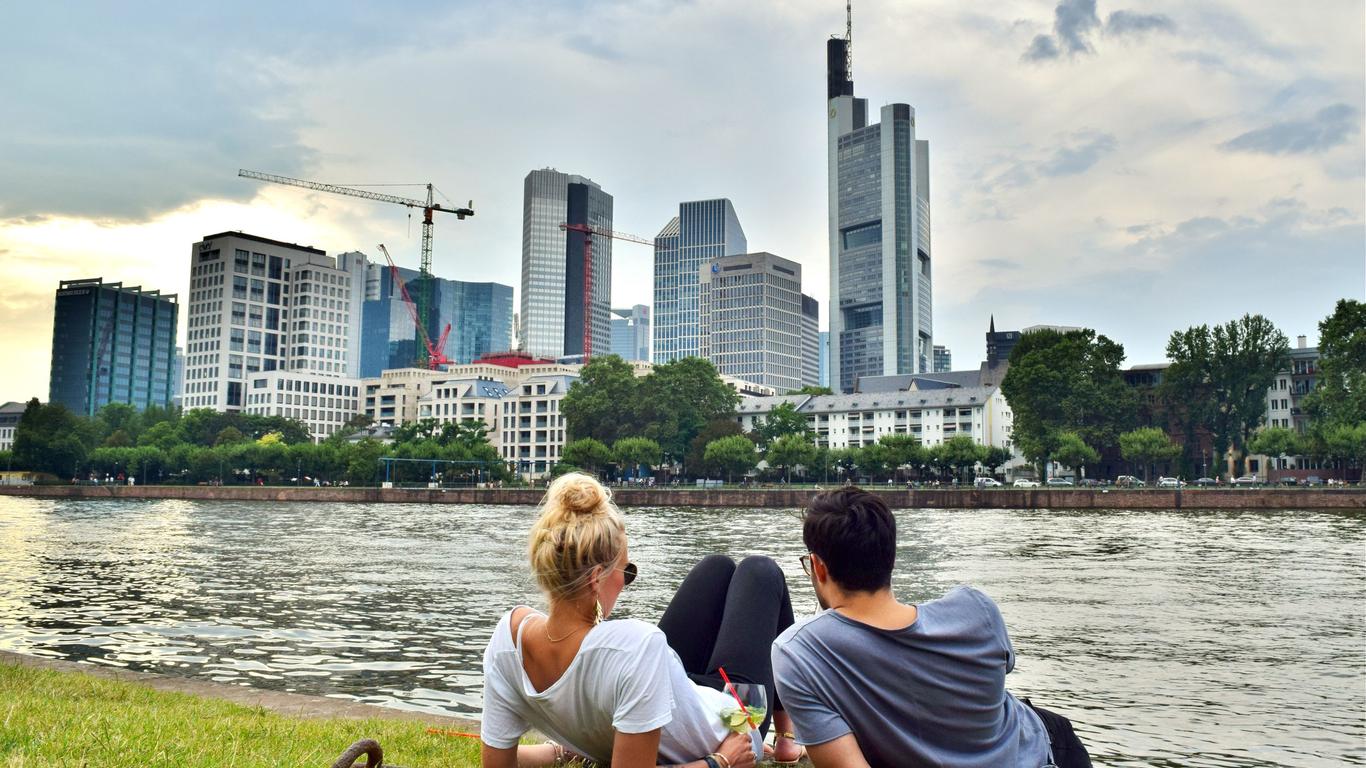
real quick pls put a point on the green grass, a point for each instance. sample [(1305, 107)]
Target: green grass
[(61, 719)]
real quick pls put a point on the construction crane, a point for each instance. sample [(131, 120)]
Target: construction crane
[(430, 356), (424, 292), (588, 233)]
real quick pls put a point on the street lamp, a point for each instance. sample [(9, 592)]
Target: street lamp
[(298, 472)]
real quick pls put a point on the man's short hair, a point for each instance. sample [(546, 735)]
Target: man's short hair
[(854, 533)]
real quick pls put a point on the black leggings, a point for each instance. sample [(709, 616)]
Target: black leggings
[(727, 615), (1068, 751)]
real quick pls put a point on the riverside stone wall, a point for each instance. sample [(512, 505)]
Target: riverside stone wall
[(897, 498)]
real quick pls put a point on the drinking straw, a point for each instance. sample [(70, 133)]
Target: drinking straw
[(743, 708)]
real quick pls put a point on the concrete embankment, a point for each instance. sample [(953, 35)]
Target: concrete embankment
[(291, 704), (774, 498)]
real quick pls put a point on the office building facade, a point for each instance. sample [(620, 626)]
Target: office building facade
[(112, 344), (825, 358), (553, 275), (881, 320), (10, 414), (259, 305), (943, 359), (703, 231), (479, 314), (811, 340), (631, 333), (751, 319)]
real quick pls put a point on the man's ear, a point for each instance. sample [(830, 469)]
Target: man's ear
[(819, 570)]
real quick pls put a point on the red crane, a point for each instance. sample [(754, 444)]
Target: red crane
[(436, 353), (588, 233)]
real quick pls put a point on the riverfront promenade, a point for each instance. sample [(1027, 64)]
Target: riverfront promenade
[(753, 498)]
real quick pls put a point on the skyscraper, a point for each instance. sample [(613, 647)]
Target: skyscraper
[(479, 314), (552, 311), (811, 340), (703, 230), (271, 329), (943, 359), (631, 333), (751, 319), (879, 188), (111, 344)]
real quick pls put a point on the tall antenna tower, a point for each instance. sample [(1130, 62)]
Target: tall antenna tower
[(849, 38)]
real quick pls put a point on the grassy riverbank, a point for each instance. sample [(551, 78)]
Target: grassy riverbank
[(68, 719)]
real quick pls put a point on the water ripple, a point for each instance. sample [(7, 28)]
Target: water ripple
[(1171, 638)]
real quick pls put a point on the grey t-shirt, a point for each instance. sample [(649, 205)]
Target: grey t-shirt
[(930, 694)]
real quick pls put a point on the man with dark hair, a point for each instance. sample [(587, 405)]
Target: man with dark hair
[(871, 681)]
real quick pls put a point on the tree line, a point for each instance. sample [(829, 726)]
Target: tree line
[(1071, 403), (166, 445)]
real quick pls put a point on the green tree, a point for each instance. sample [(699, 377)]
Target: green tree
[(636, 453), (996, 457), (903, 451), (679, 399), (118, 439), (784, 419), (694, 460), (229, 435), (1220, 377), (1340, 395), (873, 461), (119, 417), (1145, 445), (1072, 451), (961, 454), (1067, 382), (589, 453), (1276, 442), (599, 405), (731, 455), (163, 435), (50, 438), (791, 450), (812, 390)]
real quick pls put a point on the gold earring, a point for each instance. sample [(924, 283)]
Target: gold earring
[(597, 612)]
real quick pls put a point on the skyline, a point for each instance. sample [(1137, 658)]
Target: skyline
[(1189, 161)]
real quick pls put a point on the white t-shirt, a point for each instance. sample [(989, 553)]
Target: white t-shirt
[(624, 678)]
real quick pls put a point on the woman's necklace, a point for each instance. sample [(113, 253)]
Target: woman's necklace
[(546, 628)]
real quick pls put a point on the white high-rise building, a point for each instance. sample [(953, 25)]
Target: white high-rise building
[(879, 196), (259, 306), (552, 304), (752, 319)]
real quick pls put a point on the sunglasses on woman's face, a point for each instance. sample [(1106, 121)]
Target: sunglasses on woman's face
[(628, 574)]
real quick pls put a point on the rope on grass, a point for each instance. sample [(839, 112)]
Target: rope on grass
[(374, 756)]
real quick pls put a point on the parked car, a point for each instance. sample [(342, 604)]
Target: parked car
[(986, 482), (1313, 480), (1023, 483), (1246, 480), (1089, 482), (1288, 481), (1206, 481), (1170, 482), (1059, 482), (1129, 481)]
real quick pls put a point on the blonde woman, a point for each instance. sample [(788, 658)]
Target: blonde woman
[(625, 693)]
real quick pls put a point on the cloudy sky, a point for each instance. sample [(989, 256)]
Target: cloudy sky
[(1136, 166)]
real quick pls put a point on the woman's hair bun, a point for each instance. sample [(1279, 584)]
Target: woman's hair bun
[(578, 494)]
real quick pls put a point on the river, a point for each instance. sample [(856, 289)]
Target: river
[(1170, 638)]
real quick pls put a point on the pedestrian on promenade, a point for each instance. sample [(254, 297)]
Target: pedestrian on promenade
[(624, 692), (872, 681)]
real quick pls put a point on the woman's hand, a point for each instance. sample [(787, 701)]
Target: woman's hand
[(738, 749)]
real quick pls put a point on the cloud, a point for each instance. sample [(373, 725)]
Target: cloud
[(1078, 158), (998, 264), (1329, 127), (1130, 23), (1075, 21)]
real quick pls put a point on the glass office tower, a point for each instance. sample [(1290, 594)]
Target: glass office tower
[(112, 344), (480, 316), (879, 206), (702, 231)]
